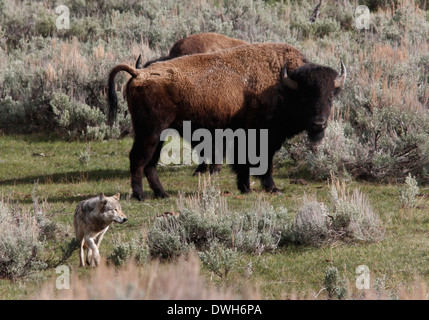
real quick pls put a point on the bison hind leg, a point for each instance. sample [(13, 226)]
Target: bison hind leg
[(141, 155), (202, 168), (152, 175), (215, 168)]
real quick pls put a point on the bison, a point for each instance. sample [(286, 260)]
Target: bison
[(261, 86), (197, 43)]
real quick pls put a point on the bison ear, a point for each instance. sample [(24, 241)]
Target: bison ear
[(339, 81), (117, 196), (288, 82)]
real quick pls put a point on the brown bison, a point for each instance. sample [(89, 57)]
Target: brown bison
[(255, 86), (197, 43)]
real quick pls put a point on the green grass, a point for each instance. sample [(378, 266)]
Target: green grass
[(63, 181)]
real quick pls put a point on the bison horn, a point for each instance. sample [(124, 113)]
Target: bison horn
[(288, 82), (339, 82)]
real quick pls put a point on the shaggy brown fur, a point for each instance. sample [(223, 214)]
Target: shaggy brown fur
[(196, 43), (241, 87)]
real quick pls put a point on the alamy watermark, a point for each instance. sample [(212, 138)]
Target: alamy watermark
[(63, 20), (239, 147), (63, 280), (362, 18), (362, 277)]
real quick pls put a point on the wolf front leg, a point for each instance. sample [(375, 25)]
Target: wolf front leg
[(100, 237), (95, 257)]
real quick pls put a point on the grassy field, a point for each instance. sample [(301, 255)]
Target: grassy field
[(60, 174), (59, 151)]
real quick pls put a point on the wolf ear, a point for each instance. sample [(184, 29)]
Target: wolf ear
[(102, 197), (117, 196)]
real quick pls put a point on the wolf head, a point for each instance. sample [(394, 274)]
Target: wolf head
[(110, 209)]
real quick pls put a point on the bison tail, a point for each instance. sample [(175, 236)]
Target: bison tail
[(111, 92)]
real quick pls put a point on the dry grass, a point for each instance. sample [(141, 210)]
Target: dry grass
[(417, 290), (154, 281)]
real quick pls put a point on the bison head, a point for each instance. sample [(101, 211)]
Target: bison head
[(315, 86)]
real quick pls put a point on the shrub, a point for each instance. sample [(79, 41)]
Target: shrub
[(335, 285), (350, 218), (136, 249), (78, 120), (310, 225), (21, 242), (409, 192), (353, 218), (204, 219), (337, 153), (219, 260), (166, 239)]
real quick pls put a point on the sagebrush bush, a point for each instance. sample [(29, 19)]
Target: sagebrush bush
[(409, 192), (167, 239), (335, 284), (21, 242), (219, 259), (353, 218), (135, 249), (204, 219), (349, 217), (310, 226)]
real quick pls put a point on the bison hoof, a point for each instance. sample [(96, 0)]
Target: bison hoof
[(138, 196), (162, 195), (275, 191), (244, 191), (214, 171), (199, 171)]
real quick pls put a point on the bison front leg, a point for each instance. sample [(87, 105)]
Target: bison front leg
[(267, 180), (243, 178)]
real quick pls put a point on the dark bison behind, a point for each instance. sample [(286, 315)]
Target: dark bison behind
[(255, 86), (194, 44)]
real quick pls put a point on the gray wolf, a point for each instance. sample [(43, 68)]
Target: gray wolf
[(92, 219)]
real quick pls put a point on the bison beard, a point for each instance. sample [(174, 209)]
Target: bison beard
[(259, 86), (316, 137)]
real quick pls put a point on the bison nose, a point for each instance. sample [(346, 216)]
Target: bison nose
[(319, 124)]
